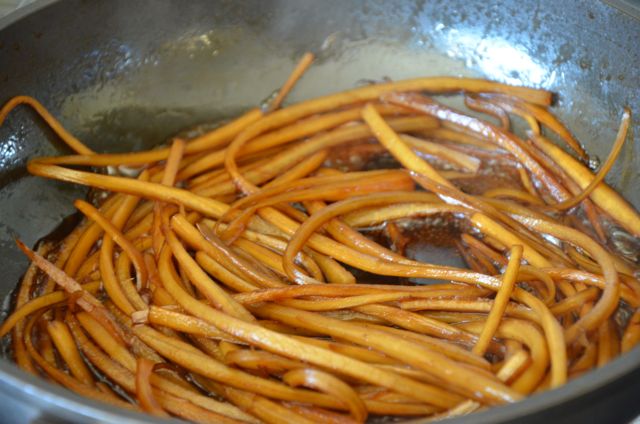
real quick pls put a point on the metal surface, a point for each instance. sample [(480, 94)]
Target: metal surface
[(123, 74)]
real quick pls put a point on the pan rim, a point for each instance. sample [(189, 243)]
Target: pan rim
[(23, 12)]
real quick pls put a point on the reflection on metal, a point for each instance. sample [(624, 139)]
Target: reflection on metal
[(498, 57)]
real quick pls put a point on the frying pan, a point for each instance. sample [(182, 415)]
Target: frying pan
[(127, 75)]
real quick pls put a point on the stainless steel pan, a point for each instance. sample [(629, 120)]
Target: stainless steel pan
[(127, 74)]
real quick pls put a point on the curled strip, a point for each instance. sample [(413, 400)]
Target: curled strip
[(315, 379)]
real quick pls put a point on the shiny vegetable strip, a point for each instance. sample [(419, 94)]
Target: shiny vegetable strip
[(500, 303), (296, 74)]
